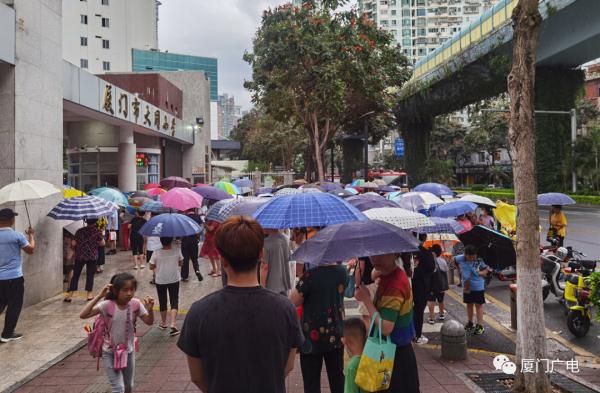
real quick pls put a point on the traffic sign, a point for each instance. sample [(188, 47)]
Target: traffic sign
[(399, 147)]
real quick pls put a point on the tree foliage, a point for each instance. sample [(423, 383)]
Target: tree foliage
[(447, 139), (267, 142), (489, 131), (323, 70)]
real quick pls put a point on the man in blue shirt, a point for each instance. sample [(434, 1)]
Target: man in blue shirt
[(12, 286), (473, 271)]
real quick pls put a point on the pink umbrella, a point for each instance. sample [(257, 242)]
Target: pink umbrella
[(156, 191), (181, 199), (201, 185), (150, 186)]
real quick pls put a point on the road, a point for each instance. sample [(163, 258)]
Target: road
[(583, 234)]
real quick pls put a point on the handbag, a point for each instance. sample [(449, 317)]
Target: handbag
[(439, 280), (377, 361)]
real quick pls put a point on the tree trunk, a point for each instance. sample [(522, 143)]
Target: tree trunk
[(531, 336)]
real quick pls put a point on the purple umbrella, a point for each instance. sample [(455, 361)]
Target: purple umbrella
[(244, 183), (442, 225), (355, 239), (264, 190), (555, 198), (437, 189), (328, 186), (386, 189), (212, 193), (366, 202), (174, 181)]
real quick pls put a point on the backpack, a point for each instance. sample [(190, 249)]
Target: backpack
[(439, 280), (101, 328)]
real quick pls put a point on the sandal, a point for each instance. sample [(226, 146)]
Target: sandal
[(162, 327), (67, 300), (174, 332)]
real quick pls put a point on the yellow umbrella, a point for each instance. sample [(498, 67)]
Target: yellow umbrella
[(507, 217), (72, 193)]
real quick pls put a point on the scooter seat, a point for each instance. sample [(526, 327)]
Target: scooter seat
[(588, 264)]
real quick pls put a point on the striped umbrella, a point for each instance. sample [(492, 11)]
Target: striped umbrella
[(229, 188), (111, 195), (80, 208), (155, 207)]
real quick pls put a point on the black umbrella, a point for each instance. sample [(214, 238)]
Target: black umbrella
[(493, 247)]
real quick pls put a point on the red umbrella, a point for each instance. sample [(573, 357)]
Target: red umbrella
[(201, 185), (150, 186), (156, 191), (174, 181)]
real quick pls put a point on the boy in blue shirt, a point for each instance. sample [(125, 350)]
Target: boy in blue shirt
[(473, 271)]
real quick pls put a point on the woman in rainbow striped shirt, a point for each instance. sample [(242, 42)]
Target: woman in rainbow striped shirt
[(394, 302)]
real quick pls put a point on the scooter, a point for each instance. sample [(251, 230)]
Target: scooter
[(510, 274), (573, 293)]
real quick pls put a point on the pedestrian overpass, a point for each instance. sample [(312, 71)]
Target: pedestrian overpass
[(473, 65)]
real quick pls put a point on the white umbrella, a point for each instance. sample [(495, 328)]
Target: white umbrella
[(401, 218), (417, 200), (480, 200), (26, 190), (72, 226)]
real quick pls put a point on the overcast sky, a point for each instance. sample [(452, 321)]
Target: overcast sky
[(214, 28)]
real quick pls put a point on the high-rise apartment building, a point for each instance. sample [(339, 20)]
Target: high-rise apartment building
[(420, 26), (153, 60), (228, 115), (99, 35)]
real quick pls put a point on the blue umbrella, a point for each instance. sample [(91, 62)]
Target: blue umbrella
[(221, 210), (83, 207), (244, 183), (454, 209), (393, 195), (306, 210), (442, 225), (170, 225), (555, 198), (387, 189), (212, 193), (154, 207), (366, 202), (110, 194), (435, 188), (355, 239)]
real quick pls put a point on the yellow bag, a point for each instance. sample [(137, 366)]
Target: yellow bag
[(376, 363)]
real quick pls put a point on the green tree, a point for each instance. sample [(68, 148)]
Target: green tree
[(267, 142), (321, 69), (440, 171), (447, 140)]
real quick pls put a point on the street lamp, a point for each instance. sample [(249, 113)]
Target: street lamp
[(366, 143)]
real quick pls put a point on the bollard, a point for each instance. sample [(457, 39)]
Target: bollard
[(513, 305), (454, 341)]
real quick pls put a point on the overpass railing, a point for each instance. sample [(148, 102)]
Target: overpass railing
[(492, 20)]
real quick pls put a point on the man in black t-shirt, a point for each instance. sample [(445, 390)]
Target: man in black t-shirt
[(136, 241), (189, 249), (421, 286), (244, 337)]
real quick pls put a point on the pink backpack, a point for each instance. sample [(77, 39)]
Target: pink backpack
[(101, 327)]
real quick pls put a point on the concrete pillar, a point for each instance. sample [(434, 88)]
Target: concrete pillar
[(127, 167), (31, 135), (416, 134)]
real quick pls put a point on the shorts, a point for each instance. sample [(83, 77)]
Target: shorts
[(137, 245), (112, 235), (432, 297), (477, 297)]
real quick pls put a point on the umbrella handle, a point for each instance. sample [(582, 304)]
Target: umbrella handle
[(27, 211)]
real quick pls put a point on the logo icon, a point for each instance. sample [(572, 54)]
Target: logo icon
[(502, 362), (158, 229)]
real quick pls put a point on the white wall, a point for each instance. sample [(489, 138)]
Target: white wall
[(214, 121), (131, 25)]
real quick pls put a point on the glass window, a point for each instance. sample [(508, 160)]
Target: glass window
[(83, 41), (394, 22), (83, 63), (405, 12), (106, 66), (84, 19), (105, 44), (405, 32), (420, 31), (393, 12), (406, 42), (105, 22), (405, 22), (420, 11)]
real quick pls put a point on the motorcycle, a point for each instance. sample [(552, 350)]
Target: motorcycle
[(573, 293)]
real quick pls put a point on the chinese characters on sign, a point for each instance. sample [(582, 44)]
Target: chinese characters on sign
[(123, 108), (548, 366), (107, 102)]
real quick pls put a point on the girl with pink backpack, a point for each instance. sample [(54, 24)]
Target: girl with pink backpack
[(112, 336)]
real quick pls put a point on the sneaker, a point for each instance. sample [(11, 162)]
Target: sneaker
[(442, 316), (142, 266), (479, 329), (469, 326), (421, 340), (152, 282), (135, 267), (430, 321), (185, 279), (12, 337), (174, 332), (199, 275)]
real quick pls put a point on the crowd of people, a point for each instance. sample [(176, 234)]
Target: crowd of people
[(270, 309)]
